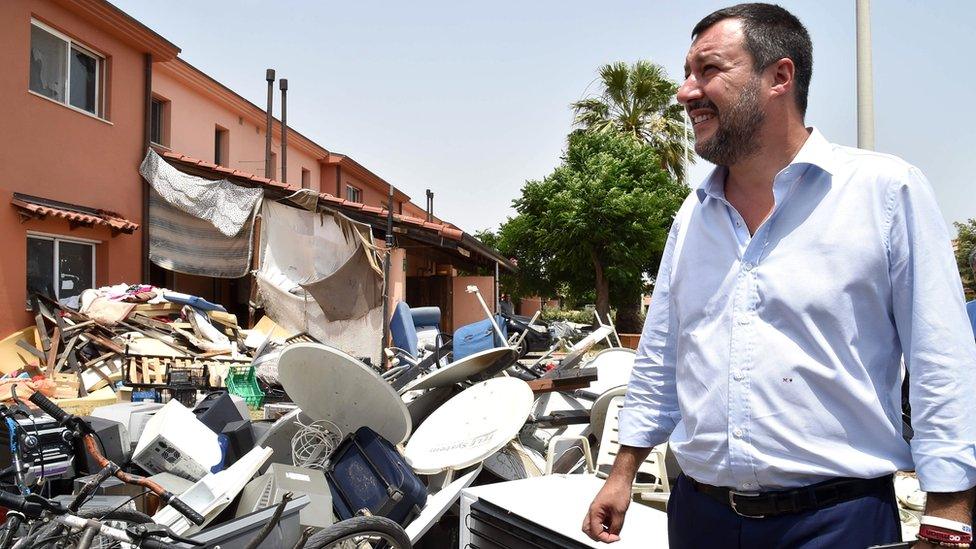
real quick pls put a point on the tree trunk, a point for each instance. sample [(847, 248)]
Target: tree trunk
[(628, 317), (602, 287)]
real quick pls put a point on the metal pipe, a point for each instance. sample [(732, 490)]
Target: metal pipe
[(865, 83), (147, 135), (283, 86), (386, 279), (269, 75), (430, 205)]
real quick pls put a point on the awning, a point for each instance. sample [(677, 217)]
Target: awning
[(33, 207)]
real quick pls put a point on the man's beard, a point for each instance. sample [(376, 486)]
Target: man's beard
[(737, 135)]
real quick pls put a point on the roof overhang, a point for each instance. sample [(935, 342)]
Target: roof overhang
[(34, 207), (124, 26)]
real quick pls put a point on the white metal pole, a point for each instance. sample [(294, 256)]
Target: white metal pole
[(865, 84)]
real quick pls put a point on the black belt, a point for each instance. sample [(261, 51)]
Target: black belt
[(797, 500)]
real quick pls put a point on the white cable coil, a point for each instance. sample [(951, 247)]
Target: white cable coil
[(314, 443)]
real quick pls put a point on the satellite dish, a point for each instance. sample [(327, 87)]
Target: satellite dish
[(330, 385), (613, 367), (471, 426), (464, 369)]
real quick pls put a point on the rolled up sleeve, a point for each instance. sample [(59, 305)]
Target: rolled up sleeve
[(650, 410), (936, 339)]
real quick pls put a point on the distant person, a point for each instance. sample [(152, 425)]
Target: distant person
[(793, 282), (505, 305), (971, 306)]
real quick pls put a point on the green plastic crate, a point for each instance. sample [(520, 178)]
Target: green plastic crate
[(242, 382)]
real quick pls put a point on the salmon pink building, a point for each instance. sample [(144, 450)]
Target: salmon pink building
[(88, 90)]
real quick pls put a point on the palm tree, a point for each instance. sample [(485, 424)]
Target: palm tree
[(638, 100)]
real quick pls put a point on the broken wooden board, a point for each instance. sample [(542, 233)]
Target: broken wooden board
[(564, 380)]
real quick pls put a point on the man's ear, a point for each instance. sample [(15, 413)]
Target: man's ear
[(782, 73)]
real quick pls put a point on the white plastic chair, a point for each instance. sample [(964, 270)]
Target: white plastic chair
[(605, 420)]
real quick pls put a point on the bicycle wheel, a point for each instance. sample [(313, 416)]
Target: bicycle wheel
[(361, 533)]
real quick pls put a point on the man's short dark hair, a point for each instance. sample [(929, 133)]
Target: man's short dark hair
[(771, 33)]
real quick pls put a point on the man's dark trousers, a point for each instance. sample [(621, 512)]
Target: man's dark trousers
[(696, 520)]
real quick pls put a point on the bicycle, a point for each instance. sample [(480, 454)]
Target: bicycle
[(59, 522), (52, 524)]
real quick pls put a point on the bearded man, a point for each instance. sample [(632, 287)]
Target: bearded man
[(794, 280)]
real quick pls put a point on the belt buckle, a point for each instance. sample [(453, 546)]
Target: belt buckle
[(732, 496)]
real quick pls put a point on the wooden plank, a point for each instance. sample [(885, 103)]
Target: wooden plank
[(567, 380), (78, 326), (160, 369), (52, 355), (67, 352), (73, 364), (32, 350), (41, 328), (105, 342)]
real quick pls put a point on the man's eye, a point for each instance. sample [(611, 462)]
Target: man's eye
[(708, 68)]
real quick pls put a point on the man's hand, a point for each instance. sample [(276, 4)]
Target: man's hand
[(957, 506), (605, 517)]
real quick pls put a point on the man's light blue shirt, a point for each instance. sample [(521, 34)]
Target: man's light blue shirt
[(774, 360)]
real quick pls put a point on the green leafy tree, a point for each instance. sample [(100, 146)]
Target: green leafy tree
[(638, 100), (599, 220), (965, 244)]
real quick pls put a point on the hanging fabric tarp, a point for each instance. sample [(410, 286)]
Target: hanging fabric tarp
[(198, 226), (320, 274)]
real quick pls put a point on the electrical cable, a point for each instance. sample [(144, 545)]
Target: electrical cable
[(314, 443)]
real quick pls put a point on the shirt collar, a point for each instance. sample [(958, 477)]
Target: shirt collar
[(816, 151)]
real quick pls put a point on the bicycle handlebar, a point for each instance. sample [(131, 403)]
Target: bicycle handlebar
[(82, 429)]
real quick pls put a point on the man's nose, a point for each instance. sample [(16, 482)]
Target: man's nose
[(689, 90)]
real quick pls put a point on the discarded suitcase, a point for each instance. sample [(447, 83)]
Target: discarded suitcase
[(366, 473)]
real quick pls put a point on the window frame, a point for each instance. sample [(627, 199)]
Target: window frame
[(306, 178), (57, 239), (356, 192), (153, 123), (100, 61)]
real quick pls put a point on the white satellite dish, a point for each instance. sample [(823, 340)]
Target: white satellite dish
[(462, 370), (330, 385), (613, 367), (471, 426)]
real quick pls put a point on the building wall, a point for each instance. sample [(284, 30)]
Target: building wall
[(194, 113), (50, 150)]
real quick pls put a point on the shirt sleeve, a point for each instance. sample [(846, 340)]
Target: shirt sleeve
[(936, 339), (650, 410)]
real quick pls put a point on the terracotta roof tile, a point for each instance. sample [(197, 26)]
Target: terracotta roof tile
[(39, 207)]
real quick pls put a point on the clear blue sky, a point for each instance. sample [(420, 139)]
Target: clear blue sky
[(471, 99)]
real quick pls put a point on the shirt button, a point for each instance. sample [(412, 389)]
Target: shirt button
[(738, 375), (743, 320), (748, 266), (737, 433)]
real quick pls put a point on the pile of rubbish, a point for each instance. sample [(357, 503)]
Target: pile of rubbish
[(129, 343), (168, 383)]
